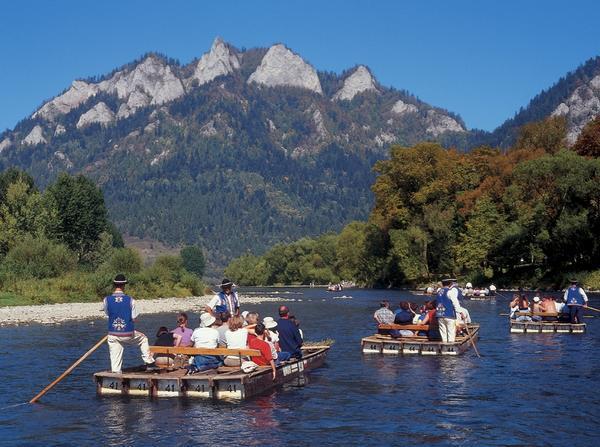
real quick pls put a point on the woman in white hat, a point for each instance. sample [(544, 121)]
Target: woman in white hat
[(206, 336), (272, 337)]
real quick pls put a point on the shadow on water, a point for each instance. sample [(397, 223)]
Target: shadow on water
[(520, 383)]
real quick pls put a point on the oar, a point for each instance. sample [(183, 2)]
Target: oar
[(68, 370), (472, 341), (591, 308)]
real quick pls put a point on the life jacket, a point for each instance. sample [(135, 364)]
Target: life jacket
[(574, 297), (120, 320), (223, 305), (445, 308)]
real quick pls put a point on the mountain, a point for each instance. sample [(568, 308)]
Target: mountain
[(237, 150), (576, 96)]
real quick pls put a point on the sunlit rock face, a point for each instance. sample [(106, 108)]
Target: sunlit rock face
[(580, 108), (358, 82), (281, 67), (219, 61), (36, 136), (100, 113)]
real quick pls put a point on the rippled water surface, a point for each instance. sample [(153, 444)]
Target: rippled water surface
[(525, 390)]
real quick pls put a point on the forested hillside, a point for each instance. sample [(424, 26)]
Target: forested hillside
[(231, 151), (526, 217)]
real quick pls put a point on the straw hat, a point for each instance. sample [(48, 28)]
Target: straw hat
[(269, 322), (206, 319)]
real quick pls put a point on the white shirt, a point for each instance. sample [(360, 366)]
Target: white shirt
[(581, 291), (237, 339), (205, 337), (453, 296)]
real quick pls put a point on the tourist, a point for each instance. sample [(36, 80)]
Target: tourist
[(224, 317), (252, 318), (265, 358), (536, 308), (206, 336), (447, 309), (297, 323), (290, 339), (492, 290), (236, 337), (272, 337), (384, 315), (224, 301), (121, 312), (403, 316), (520, 305), (183, 331), (428, 317), (576, 300), (166, 338)]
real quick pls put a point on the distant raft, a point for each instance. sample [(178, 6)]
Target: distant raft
[(418, 345), (229, 383), (540, 327)]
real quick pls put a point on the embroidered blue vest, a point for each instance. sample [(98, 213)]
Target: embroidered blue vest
[(574, 297), (120, 320), (223, 305), (445, 308)]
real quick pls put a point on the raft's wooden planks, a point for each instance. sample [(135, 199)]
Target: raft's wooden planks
[(417, 345), (408, 327), (231, 384), (536, 327)]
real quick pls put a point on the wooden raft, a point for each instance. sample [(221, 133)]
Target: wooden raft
[(537, 327), (221, 383), (417, 345)]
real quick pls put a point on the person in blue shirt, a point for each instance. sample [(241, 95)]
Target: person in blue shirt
[(403, 316), (576, 300), (121, 312), (290, 339)]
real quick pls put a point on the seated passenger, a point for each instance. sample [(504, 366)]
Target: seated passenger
[(290, 339), (404, 316), (272, 337), (265, 358), (224, 327), (520, 303), (236, 337), (183, 331), (165, 338), (297, 323), (428, 317), (383, 315), (206, 336)]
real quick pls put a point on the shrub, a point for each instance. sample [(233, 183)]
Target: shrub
[(193, 260), (38, 257), (124, 260)]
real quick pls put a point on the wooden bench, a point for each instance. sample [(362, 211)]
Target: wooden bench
[(408, 327), (539, 314)]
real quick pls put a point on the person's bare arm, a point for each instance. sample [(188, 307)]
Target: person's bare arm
[(177, 338), (274, 369)]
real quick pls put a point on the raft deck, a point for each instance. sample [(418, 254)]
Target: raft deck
[(418, 345), (222, 383), (538, 327)]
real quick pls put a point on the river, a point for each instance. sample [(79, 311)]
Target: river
[(524, 390)]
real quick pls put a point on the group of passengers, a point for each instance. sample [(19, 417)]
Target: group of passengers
[(223, 326), (570, 310)]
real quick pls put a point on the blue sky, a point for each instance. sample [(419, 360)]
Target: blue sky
[(481, 59)]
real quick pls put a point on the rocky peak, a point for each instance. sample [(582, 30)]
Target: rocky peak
[(100, 113), (400, 108), (77, 94), (438, 123), (5, 144), (580, 108), (358, 82), (219, 61), (36, 136), (152, 76), (282, 67)]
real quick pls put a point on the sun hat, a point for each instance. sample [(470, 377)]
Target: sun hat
[(120, 279), (249, 366), (245, 314), (269, 322), (206, 319), (536, 299), (226, 282)]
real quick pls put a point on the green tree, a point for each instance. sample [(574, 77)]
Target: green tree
[(38, 257), (81, 216), (193, 260)]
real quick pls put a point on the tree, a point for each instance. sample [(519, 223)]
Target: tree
[(588, 143), (549, 134), (193, 260), (81, 213), (13, 175)]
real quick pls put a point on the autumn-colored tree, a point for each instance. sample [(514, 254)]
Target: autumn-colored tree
[(549, 134), (588, 143)]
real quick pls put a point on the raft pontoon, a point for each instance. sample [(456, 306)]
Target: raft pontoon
[(549, 324), (418, 345), (222, 383)]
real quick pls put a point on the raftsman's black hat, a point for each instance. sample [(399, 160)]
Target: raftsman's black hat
[(573, 281), (120, 279), (447, 281)]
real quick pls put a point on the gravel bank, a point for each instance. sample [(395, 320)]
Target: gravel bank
[(57, 313)]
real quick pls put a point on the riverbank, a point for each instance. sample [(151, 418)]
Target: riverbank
[(58, 313)]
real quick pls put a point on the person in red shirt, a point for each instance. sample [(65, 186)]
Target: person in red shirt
[(265, 358)]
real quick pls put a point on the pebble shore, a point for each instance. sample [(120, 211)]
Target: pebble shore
[(58, 313)]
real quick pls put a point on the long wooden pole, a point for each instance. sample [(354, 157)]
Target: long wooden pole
[(68, 370), (472, 341)]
